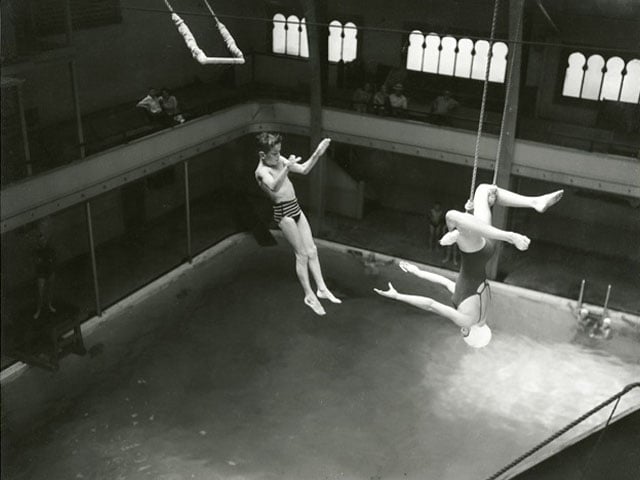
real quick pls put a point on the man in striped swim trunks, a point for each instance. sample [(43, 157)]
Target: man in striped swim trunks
[(272, 176)]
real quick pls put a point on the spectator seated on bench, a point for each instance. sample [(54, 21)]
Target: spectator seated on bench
[(153, 108), (170, 107)]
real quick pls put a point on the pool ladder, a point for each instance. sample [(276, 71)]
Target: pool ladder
[(605, 307), (597, 326)]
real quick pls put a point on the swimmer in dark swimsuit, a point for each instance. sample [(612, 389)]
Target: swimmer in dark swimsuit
[(475, 237), (272, 176), (436, 224)]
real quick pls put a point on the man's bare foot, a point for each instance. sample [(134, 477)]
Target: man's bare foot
[(314, 304), (449, 238), (520, 241), (51, 309), (36, 315), (328, 295), (543, 202)]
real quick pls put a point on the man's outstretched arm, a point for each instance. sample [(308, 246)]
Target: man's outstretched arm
[(431, 277), (305, 168)]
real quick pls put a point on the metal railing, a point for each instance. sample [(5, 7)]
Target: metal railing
[(566, 428)]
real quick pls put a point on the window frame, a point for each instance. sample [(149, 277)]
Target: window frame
[(404, 50), (587, 51), (357, 21)]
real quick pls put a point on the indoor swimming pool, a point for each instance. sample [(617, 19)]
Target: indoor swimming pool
[(222, 372)]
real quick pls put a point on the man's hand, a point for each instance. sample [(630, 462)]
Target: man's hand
[(391, 293), (291, 160), (322, 146), (408, 267)]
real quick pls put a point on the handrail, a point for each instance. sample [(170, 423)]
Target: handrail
[(568, 427)]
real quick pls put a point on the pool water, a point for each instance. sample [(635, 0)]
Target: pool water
[(226, 374)]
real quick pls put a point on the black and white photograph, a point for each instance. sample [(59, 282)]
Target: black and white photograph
[(320, 240)]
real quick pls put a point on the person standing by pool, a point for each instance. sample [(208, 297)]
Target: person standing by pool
[(436, 224), (476, 239), (272, 176)]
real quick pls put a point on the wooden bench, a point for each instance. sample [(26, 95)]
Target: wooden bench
[(43, 342)]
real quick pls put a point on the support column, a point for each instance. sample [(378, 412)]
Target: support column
[(187, 206), (315, 12), (68, 22), (504, 179), (92, 252), (25, 133), (76, 105)]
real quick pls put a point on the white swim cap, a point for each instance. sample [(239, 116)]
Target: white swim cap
[(479, 336)]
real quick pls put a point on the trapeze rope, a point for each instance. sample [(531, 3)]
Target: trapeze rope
[(469, 205), (196, 52)]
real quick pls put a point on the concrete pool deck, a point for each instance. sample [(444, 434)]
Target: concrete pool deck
[(212, 373)]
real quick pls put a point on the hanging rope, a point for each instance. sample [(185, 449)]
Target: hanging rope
[(226, 36), (196, 52), (506, 103), (568, 427), (469, 205)]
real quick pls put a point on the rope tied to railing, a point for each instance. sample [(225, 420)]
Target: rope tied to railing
[(566, 428)]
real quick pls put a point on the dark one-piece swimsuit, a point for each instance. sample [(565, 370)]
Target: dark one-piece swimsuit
[(473, 274)]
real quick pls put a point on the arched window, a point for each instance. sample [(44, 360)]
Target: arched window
[(279, 33), (630, 91), (431, 54), (498, 62), (457, 57), (612, 79), (335, 41), (304, 40), (480, 58), (289, 36), (464, 58), (293, 35), (350, 43), (597, 79), (447, 56), (593, 78), (574, 75), (343, 41), (416, 49)]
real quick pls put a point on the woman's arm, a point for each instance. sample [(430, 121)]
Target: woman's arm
[(431, 277), (466, 222), (430, 305)]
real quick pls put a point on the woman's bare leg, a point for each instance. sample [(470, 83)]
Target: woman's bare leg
[(539, 203)]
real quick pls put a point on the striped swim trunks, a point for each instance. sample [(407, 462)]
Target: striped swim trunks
[(290, 208)]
